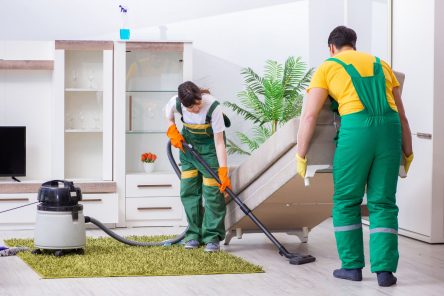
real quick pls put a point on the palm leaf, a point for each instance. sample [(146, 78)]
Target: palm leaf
[(253, 80), (233, 148), (241, 111), (261, 134), (250, 100), (251, 143), (304, 81), (274, 94), (273, 70)]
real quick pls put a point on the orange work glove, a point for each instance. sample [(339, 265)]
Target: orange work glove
[(223, 176), (175, 137)]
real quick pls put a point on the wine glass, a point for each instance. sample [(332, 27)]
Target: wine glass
[(69, 121), (98, 98), (96, 119), (82, 120), (74, 78), (91, 79)]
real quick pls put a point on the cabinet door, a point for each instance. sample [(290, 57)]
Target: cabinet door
[(21, 215), (414, 196), (103, 207)]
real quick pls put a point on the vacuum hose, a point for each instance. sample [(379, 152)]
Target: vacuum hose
[(130, 242), (121, 239)]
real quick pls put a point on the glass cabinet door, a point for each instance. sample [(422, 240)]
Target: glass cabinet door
[(153, 73)]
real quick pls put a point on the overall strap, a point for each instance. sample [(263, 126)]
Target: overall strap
[(349, 68), (178, 105), (337, 61), (377, 67), (210, 111)]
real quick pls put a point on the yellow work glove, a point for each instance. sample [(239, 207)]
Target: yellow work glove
[(407, 161), (301, 165), (175, 137)]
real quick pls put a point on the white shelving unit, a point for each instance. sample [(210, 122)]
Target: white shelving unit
[(83, 87), (147, 75)]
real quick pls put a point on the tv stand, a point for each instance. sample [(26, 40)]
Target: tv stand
[(15, 179)]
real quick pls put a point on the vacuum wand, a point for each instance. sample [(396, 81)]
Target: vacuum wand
[(294, 258)]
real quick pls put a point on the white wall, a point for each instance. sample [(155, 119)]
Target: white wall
[(225, 44), (324, 16), (25, 100), (369, 18)]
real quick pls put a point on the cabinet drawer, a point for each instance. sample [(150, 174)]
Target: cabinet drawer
[(143, 185), (156, 208), (21, 215), (103, 207)]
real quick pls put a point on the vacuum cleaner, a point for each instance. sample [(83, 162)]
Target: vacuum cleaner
[(60, 226), (60, 223)]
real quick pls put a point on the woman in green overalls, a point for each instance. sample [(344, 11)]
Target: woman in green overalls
[(203, 128), (373, 137)]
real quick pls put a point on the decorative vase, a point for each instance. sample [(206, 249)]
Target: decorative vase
[(148, 167)]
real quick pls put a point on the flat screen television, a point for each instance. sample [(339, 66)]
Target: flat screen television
[(12, 151)]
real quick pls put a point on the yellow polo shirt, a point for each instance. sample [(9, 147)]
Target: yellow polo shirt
[(333, 77)]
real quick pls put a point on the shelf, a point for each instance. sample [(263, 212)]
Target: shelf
[(151, 91), (146, 132), (34, 186), (83, 131), (82, 90), (169, 172), (26, 65)]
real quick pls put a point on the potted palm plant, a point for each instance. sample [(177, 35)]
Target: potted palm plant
[(269, 101)]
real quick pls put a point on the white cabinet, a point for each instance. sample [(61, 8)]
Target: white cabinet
[(146, 76), (153, 184), (83, 92), (25, 215), (101, 206), (420, 196), (153, 199)]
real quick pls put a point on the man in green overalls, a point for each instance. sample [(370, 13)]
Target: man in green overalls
[(203, 128), (373, 137)]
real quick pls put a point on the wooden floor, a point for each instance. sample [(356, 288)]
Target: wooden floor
[(421, 272)]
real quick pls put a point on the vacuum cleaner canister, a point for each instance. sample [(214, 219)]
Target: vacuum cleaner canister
[(60, 224)]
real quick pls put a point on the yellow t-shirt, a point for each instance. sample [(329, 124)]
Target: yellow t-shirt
[(333, 77)]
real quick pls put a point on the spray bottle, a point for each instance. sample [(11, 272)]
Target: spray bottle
[(124, 30)]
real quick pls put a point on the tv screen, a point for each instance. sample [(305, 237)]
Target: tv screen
[(12, 151)]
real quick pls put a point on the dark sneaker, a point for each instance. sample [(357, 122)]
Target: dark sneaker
[(192, 244), (386, 278), (348, 274), (212, 247)]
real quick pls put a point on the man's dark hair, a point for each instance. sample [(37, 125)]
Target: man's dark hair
[(189, 93), (342, 36)]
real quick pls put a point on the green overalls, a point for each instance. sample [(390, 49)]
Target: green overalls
[(367, 154), (203, 225)]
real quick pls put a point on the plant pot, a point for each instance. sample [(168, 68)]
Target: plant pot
[(148, 167)]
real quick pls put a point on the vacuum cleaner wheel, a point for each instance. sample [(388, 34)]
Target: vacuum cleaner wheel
[(59, 253)]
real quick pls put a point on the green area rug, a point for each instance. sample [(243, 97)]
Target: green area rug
[(106, 257)]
